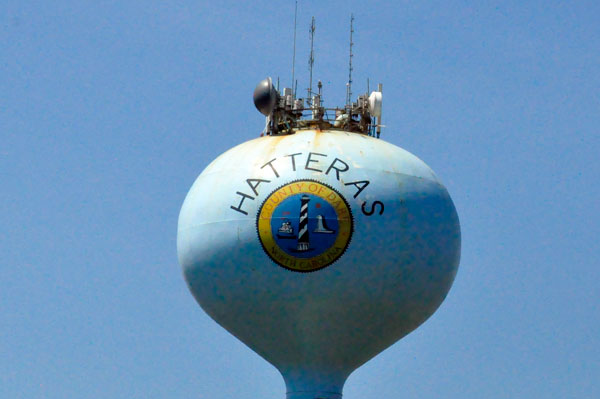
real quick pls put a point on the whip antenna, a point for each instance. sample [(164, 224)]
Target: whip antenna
[(294, 56), (311, 59), (349, 85)]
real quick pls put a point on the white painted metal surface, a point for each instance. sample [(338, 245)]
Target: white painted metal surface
[(385, 242)]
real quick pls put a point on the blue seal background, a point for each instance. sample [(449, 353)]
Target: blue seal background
[(289, 211)]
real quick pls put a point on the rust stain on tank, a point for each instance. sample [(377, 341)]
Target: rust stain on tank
[(272, 146)]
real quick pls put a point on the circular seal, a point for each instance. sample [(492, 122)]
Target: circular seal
[(304, 225)]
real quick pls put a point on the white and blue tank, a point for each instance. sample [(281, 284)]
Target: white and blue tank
[(318, 244)]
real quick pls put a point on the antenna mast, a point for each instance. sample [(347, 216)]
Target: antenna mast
[(311, 59), (349, 86), (294, 56)]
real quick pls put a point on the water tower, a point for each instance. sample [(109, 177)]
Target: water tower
[(318, 244)]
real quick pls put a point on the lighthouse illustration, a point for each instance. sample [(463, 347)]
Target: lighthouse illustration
[(322, 226), (303, 244)]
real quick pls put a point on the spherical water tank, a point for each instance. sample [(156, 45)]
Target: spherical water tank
[(318, 250)]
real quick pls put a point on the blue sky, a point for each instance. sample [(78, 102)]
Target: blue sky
[(109, 110)]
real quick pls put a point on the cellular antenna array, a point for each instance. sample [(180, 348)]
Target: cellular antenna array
[(286, 114)]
